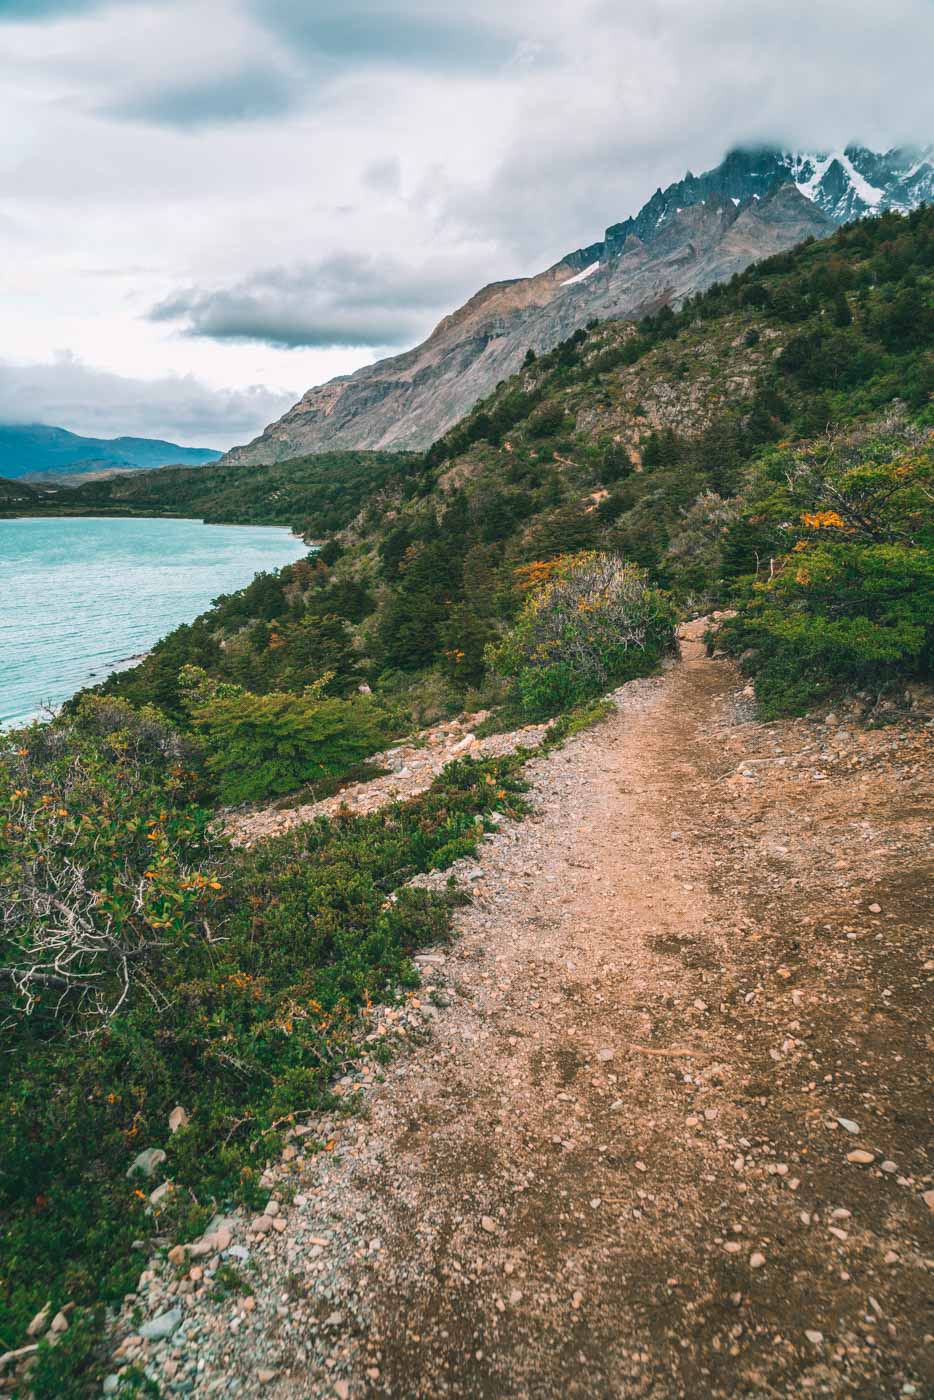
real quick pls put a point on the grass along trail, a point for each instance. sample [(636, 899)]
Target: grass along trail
[(662, 1131)]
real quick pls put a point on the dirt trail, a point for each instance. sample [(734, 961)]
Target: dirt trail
[(615, 1168)]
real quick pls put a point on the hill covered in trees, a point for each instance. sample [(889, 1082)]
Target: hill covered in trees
[(696, 445), (314, 495)]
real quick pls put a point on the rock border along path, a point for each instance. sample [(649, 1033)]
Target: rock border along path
[(612, 1162)]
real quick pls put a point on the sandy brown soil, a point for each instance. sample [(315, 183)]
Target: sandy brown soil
[(617, 1167)]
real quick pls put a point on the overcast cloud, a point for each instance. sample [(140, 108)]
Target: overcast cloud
[(343, 301), (204, 196), (92, 401)]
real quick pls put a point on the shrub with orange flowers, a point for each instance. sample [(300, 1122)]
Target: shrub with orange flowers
[(856, 610), (589, 622)]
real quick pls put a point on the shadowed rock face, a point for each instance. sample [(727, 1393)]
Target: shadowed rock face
[(699, 231)]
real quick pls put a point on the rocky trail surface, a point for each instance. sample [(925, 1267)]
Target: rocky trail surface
[(660, 1127)]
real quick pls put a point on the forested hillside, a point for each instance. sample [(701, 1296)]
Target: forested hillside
[(314, 495), (705, 447)]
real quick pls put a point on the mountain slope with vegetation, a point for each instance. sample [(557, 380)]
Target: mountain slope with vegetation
[(315, 496), (15, 494), (767, 448), (695, 445)]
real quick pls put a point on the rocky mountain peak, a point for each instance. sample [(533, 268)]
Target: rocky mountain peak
[(699, 230)]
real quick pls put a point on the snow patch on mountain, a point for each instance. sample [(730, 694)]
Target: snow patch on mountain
[(582, 276), (851, 183), (818, 167), (869, 194)]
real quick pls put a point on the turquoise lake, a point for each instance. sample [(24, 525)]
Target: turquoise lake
[(80, 597)]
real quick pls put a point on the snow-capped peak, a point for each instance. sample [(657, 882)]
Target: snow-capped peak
[(851, 183), (844, 183)]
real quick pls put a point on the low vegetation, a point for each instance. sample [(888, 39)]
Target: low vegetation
[(848, 601), (146, 965), (589, 623), (258, 746)]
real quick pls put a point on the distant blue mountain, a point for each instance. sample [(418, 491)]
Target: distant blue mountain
[(33, 450)]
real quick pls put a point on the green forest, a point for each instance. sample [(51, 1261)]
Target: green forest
[(314, 495), (766, 449)]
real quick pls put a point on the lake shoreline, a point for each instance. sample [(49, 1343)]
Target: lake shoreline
[(99, 514), (85, 596)]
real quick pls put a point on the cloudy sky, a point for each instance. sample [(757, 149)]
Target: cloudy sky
[(207, 206)]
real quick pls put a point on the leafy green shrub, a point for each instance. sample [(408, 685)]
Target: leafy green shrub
[(264, 745), (63, 1371), (546, 421), (591, 621), (694, 557), (851, 602)]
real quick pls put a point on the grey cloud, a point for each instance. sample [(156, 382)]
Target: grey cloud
[(638, 94), (40, 11), (384, 176), (70, 394), (346, 300), (373, 32), (252, 93)]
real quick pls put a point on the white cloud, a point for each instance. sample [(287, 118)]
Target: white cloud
[(344, 300), (99, 403)]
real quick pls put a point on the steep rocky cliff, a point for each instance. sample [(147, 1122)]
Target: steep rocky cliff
[(699, 231)]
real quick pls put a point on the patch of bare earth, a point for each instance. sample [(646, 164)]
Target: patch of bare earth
[(618, 1166)]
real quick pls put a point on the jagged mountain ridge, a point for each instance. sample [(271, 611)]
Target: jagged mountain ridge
[(845, 185), (698, 231)]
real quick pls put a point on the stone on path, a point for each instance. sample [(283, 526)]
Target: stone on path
[(157, 1329)]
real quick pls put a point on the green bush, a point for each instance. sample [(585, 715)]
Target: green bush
[(591, 622), (546, 421), (851, 602), (260, 746)]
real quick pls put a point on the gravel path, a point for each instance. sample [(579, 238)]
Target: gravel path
[(662, 1130)]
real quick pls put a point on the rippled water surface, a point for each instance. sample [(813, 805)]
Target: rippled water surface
[(80, 596)]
